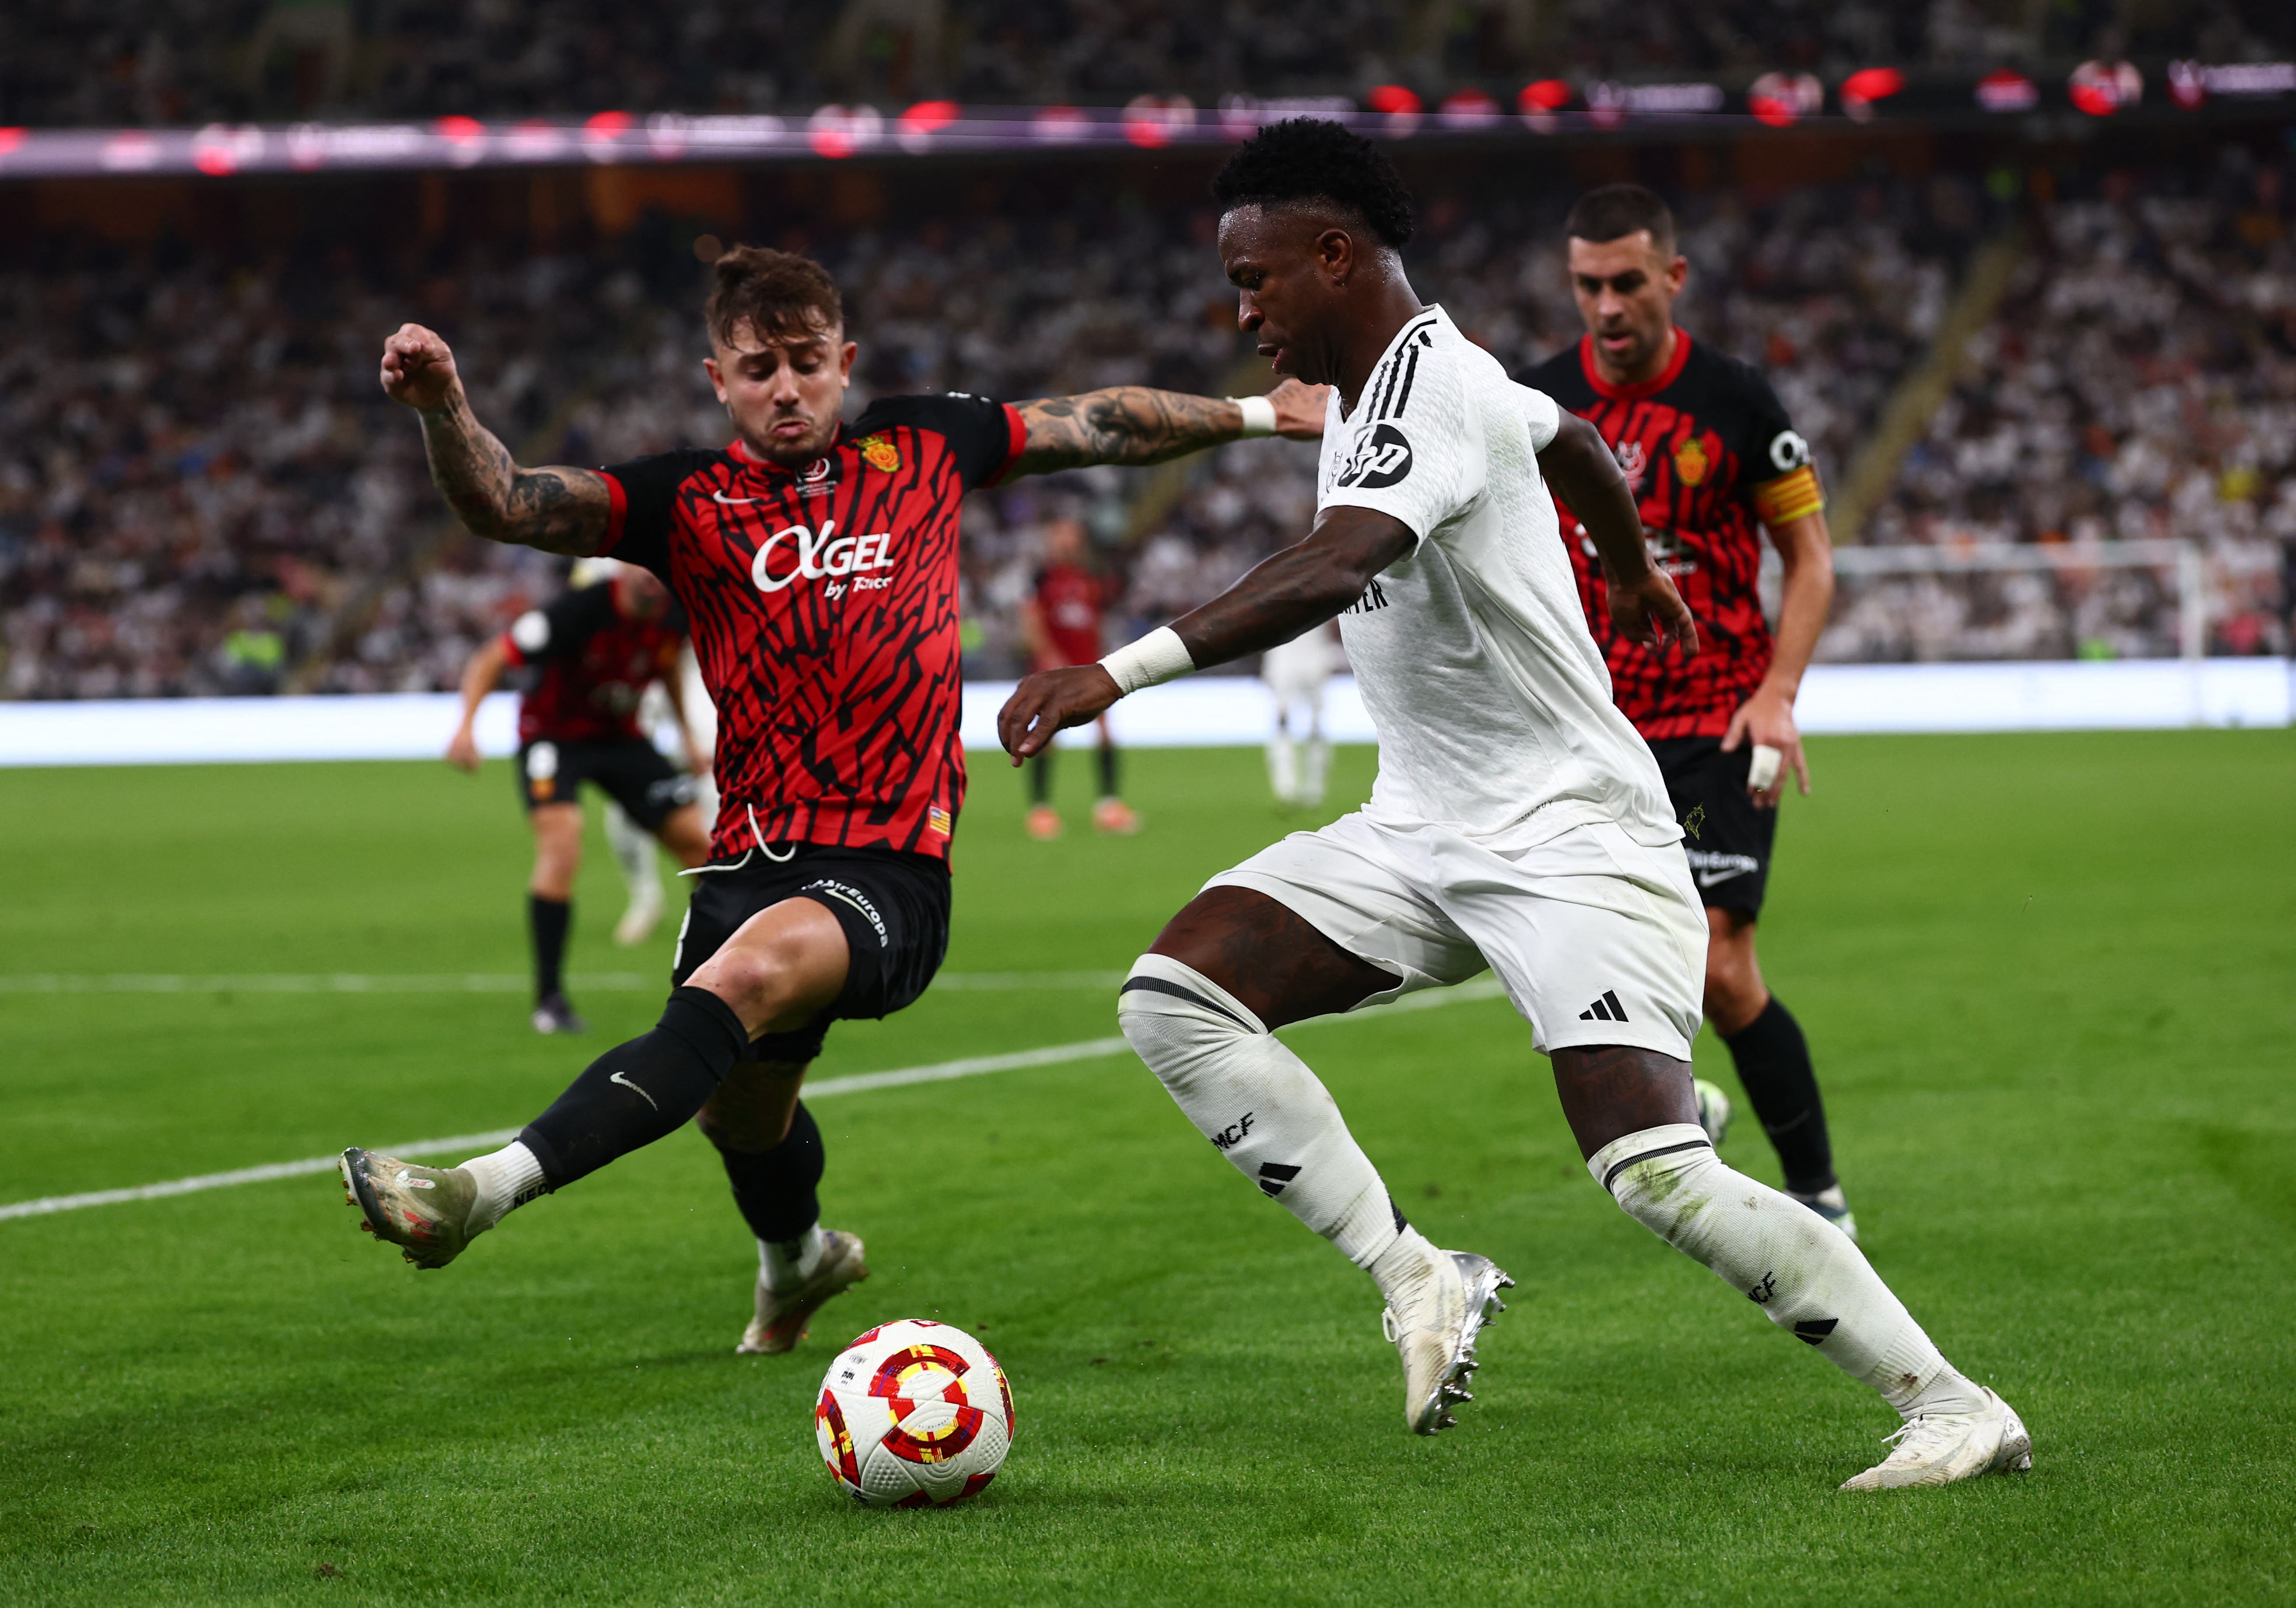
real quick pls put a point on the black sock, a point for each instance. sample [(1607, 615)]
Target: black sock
[(1108, 770), (775, 1188), (1040, 778), (1773, 1065), (548, 919), (638, 1092)]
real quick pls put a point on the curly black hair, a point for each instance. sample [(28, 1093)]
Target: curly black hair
[(1309, 158)]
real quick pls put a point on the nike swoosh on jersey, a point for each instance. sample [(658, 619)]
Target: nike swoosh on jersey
[(1707, 879), (730, 501)]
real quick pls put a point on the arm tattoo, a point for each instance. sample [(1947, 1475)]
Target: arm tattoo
[(557, 510), (1123, 424)]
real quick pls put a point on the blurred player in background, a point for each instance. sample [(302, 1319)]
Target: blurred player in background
[(596, 650), (1062, 623), (634, 847), (1296, 673), (1713, 460), (817, 564)]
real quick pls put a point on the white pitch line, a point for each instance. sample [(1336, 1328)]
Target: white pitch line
[(972, 1066), (469, 982)]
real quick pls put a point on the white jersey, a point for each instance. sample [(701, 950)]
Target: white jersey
[(1491, 701)]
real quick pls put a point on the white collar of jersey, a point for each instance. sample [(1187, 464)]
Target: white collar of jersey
[(1430, 317)]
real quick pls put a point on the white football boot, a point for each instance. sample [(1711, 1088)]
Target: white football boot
[(1937, 1448), (1435, 1334), (643, 912), (1832, 1205), (784, 1316)]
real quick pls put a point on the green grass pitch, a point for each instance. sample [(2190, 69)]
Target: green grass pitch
[(2049, 979)]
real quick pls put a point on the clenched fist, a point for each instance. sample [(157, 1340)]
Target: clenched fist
[(418, 368), (1299, 410)]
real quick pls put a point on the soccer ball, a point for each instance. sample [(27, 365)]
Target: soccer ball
[(913, 1414)]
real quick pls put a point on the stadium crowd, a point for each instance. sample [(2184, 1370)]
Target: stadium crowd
[(201, 490), (192, 62), (2138, 382)]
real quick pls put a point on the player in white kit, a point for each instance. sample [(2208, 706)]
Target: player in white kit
[(1518, 823), (1296, 673)]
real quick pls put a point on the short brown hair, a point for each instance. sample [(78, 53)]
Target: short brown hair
[(1615, 211), (773, 293)]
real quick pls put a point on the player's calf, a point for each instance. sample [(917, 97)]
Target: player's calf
[(1808, 1279)]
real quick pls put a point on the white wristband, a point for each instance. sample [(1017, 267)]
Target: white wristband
[(1158, 657), (1258, 415)]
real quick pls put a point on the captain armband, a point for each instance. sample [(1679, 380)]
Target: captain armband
[(1789, 497), (1158, 657)]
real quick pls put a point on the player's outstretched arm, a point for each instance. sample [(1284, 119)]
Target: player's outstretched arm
[(480, 676), (1578, 465), (556, 509), (1135, 425), (1293, 592)]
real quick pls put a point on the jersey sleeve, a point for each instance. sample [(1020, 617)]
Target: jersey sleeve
[(1419, 457), (559, 628), (985, 436), (1780, 480), (1541, 413), (642, 495)]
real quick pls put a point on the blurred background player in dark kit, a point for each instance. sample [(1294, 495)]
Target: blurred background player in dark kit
[(595, 652), (1062, 623), (1713, 462)]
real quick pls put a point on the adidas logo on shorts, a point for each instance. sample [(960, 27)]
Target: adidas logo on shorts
[(1605, 1009)]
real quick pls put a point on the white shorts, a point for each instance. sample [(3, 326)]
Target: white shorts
[(1598, 939)]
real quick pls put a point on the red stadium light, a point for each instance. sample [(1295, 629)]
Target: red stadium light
[(1469, 109), (1861, 90), (2006, 90), (220, 149), (1782, 99), (837, 132), (1539, 101), (1398, 106), (465, 137), (916, 127), (603, 131), (2101, 89), (1060, 124), (1150, 121)]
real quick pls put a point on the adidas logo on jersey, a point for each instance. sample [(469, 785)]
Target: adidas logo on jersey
[(1605, 1009)]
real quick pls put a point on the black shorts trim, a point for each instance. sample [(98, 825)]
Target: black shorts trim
[(1728, 836), (630, 770), (893, 905)]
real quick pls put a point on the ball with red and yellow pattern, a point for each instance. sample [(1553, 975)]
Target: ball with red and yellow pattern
[(913, 1414)]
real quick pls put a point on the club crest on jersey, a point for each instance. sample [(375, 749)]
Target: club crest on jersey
[(879, 453), (1380, 459), (1691, 463), (798, 552)]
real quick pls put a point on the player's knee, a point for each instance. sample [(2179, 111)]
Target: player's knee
[(1662, 1177), (1175, 1017)]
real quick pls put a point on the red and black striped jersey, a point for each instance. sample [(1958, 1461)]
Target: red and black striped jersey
[(823, 603), (1070, 601), (596, 666), (1709, 455)]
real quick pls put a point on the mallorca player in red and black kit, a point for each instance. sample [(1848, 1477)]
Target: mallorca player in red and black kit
[(1713, 460), (595, 650), (1063, 623), (817, 566)]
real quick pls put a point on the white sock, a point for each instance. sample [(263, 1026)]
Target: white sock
[(507, 1178), (1804, 1273), (785, 1264), (1282, 767), (1258, 1103), (633, 847)]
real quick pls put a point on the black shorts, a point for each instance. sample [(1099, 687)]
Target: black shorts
[(1725, 833), (630, 770), (893, 905)]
